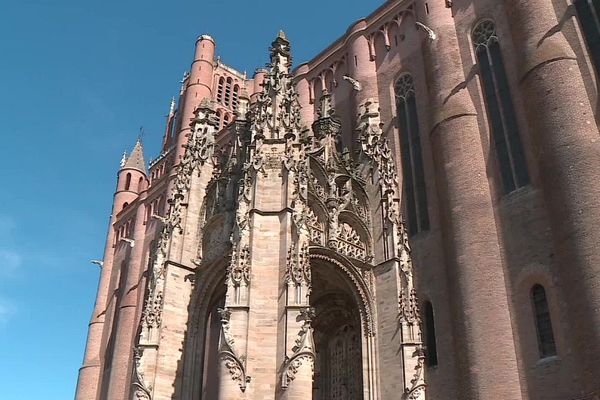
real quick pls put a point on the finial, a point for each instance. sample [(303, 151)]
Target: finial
[(123, 159), (326, 107), (281, 35), (172, 107), (182, 81), (141, 135)]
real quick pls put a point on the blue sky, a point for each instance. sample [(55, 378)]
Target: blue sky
[(77, 80)]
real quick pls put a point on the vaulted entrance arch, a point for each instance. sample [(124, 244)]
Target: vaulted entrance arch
[(338, 372)]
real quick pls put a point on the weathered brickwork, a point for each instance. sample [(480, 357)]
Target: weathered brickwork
[(288, 239)]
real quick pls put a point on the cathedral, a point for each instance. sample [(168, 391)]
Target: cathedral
[(412, 214)]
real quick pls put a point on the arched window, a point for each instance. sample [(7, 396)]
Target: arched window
[(236, 94), (431, 355), (228, 92), (140, 184), (128, 181), (412, 158), (543, 324), (220, 90), (500, 109), (588, 12), (225, 119)]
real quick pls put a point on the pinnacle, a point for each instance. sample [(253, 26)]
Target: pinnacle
[(281, 35), (207, 103), (136, 158), (172, 106)]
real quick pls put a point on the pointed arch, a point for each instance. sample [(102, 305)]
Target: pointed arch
[(500, 109), (128, 181), (220, 89), (204, 326), (543, 322), (361, 290), (413, 170)]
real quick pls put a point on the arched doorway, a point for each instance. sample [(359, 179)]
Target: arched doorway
[(212, 326), (337, 335)]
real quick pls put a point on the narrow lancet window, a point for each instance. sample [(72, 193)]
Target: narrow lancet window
[(128, 181), (228, 92), (412, 158), (588, 12), (543, 323), (500, 108), (236, 94), (430, 342), (220, 90)]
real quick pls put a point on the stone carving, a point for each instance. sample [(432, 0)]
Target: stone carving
[(239, 270), (140, 390), (197, 151), (375, 147), (303, 350), (355, 84), (416, 391), (317, 228), (409, 307), (349, 242), (215, 241), (430, 33), (317, 188), (235, 365), (327, 125), (298, 266), (152, 315), (277, 110)]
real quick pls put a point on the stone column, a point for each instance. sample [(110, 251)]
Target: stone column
[(232, 367), (484, 339), (568, 152), (127, 315), (234, 320), (297, 374), (298, 368)]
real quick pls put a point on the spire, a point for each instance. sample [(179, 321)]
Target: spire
[(280, 53), (277, 110), (172, 107), (136, 158), (328, 124)]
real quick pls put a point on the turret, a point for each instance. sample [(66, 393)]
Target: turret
[(258, 79), (243, 105), (132, 177), (197, 87)]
